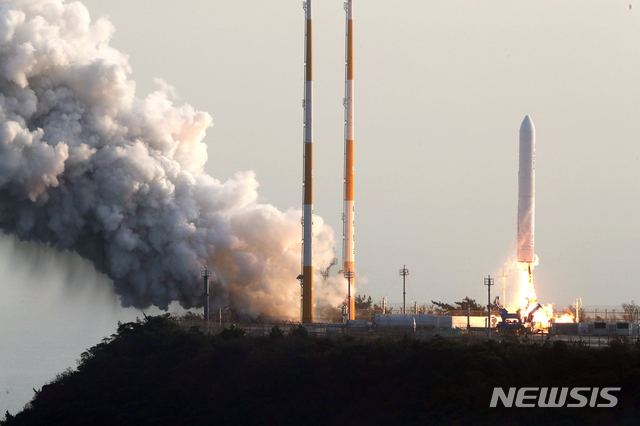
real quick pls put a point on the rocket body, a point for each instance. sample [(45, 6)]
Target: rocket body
[(526, 191)]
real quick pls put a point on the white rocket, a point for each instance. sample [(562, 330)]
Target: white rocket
[(526, 191)]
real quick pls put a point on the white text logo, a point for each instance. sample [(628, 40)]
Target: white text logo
[(555, 397)]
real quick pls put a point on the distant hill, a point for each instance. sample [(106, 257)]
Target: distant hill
[(155, 373)]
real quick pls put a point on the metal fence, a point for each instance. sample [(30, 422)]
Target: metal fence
[(263, 328), (610, 313)]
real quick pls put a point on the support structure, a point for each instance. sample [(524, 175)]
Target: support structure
[(488, 282), (307, 211), (325, 272), (404, 272), (349, 209), (206, 273)]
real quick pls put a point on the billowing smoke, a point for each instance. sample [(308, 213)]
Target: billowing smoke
[(86, 166)]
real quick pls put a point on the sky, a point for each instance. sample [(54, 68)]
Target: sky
[(440, 91)]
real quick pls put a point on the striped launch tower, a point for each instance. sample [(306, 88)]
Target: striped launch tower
[(348, 215), (307, 211)]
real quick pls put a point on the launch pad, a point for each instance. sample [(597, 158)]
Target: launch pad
[(516, 322)]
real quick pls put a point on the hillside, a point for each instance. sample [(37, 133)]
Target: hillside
[(153, 372)]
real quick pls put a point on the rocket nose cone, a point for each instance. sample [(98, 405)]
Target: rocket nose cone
[(527, 125)]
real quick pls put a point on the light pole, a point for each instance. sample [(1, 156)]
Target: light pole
[(220, 315)]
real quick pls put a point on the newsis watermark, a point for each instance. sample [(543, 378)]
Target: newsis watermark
[(555, 397)]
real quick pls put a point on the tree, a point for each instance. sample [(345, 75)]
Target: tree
[(300, 332), (232, 332), (461, 305), (631, 312), (362, 302), (444, 306), (276, 333)]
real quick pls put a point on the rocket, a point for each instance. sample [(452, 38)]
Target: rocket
[(307, 215), (526, 191), (349, 208)]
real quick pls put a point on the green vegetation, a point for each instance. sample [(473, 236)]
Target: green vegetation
[(461, 306), (363, 302), (631, 312), (153, 372)]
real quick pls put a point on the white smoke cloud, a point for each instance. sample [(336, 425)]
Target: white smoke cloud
[(86, 166)]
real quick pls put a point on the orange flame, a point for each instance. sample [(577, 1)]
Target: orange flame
[(543, 317)]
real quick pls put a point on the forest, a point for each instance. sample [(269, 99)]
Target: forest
[(155, 372)]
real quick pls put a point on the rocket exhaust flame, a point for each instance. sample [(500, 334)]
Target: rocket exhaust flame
[(86, 166), (543, 317)]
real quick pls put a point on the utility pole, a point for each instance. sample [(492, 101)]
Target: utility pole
[(404, 272), (349, 275), (488, 282), (206, 273)]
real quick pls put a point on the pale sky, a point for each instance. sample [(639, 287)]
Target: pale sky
[(441, 89)]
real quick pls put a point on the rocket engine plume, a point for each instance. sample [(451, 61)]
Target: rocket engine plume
[(86, 166)]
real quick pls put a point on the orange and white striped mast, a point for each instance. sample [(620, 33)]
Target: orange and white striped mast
[(348, 216), (307, 212)]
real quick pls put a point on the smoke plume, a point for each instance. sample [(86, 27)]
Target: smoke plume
[(86, 166)]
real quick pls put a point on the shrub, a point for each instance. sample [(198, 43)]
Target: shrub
[(232, 332), (276, 333)]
